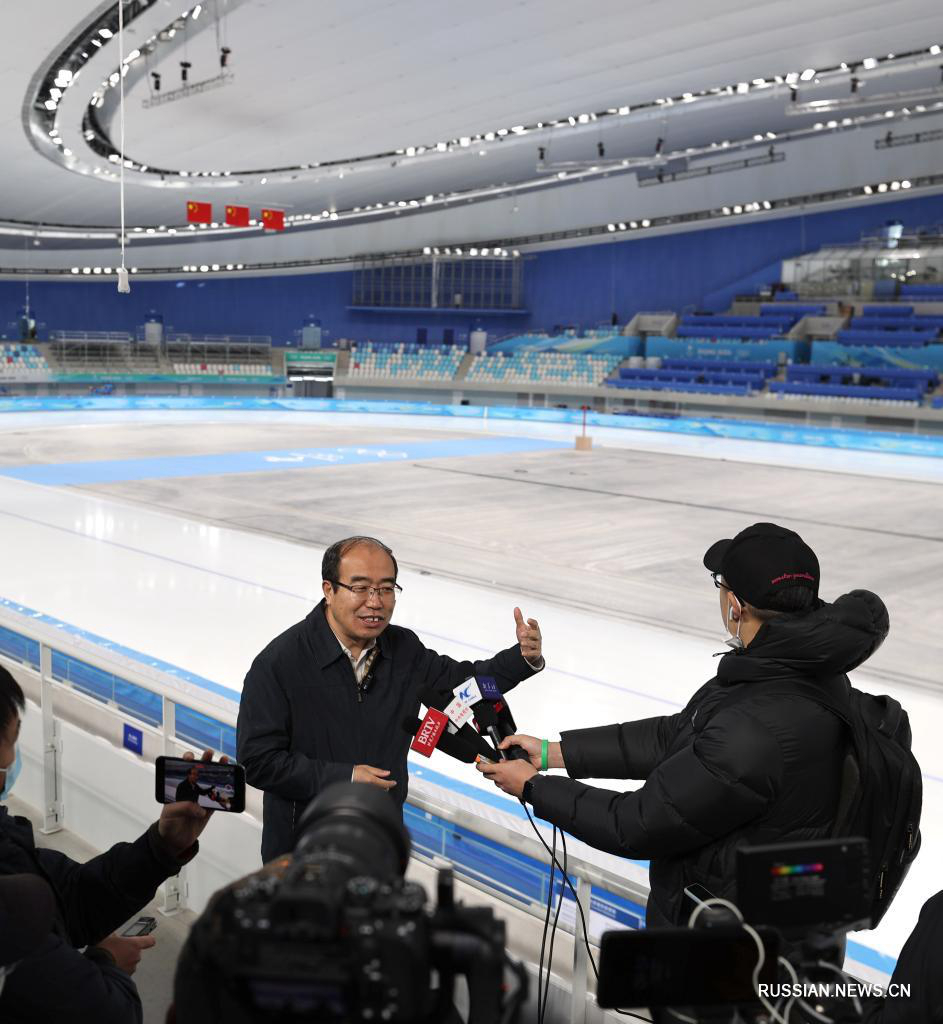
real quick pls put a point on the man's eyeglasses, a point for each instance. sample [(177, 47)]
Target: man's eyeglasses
[(719, 581), (385, 593)]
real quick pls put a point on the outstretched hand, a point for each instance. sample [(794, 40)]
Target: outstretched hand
[(528, 636), (508, 776), (181, 823)]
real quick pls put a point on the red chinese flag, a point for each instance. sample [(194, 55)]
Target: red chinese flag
[(237, 216), (273, 220), (199, 213)]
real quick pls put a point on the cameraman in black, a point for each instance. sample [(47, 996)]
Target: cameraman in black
[(730, 769)]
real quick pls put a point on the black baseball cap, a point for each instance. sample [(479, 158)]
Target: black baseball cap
[(763, 560)]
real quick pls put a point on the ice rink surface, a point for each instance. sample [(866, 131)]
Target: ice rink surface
[(197, 537)]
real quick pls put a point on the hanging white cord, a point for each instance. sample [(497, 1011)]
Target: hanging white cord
[(123, 285)]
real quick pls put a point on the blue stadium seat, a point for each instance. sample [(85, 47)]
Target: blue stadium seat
[(893, 311), (921, 379), (855, 336), (731, 366), (925, 292), (803, 310), (655, 385), (863, 391)]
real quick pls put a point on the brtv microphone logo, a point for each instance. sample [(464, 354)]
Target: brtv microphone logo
[(433, 725)]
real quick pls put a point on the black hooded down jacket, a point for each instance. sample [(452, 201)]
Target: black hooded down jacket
[(762, 769)]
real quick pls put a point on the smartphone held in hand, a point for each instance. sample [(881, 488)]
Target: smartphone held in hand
[(142, 926), (210, 784)]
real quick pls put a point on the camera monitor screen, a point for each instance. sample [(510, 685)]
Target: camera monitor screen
[(795, 887), (215, 786), (682, 966)]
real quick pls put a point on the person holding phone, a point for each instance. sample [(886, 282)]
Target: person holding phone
[(56, 982), (324, 701)]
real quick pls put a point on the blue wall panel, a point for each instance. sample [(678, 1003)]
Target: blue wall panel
[(579, 286)]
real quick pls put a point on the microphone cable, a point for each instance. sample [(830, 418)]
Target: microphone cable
[(556, 919), (569, 884), (541, 1008)]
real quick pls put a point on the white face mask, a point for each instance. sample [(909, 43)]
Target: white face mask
[(733, 639), (11, 775)]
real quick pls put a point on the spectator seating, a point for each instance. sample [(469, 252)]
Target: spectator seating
[(570, 368), (891, 325), (224, 369), (738, 377), (922, 292), (901, 337), (865, 392), (731, 366), (819, 309), (775, 321), (677, 385), (892, 311), (923, 380), (405, 359), (897, 323), (21, 361)]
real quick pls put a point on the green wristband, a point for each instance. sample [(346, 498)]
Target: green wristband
[(544, 744)]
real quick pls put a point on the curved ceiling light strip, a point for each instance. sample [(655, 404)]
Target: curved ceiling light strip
[(442, 201), (511, 247), (62, 71)]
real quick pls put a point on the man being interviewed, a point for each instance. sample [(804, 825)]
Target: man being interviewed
[(742, 763), (324, 701)]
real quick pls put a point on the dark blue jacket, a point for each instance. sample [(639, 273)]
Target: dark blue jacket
[(57, 982), (302, 728)]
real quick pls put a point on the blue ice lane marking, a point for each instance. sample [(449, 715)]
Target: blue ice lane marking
[(60, 474)]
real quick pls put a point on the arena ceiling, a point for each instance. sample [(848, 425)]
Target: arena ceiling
[(379, 125)]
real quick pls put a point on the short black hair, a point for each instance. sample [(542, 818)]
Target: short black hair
[(12, 701), (788, 601), (331, 563)]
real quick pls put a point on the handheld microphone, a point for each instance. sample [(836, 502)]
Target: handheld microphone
[(454, 744), (433, 698), (489, 720)]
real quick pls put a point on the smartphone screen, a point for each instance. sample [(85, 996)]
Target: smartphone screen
[(142, 926), (215, 786)]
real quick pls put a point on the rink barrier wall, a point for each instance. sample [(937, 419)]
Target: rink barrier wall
[(75, 767), (744, 430), (74, 761)]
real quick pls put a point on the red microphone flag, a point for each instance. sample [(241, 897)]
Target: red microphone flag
[(433, 725), (199, 213), (273, 220), (237, 216)]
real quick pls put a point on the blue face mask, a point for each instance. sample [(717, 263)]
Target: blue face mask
[(12, 774)]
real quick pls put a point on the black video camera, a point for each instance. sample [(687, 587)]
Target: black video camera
[(798, 899), (336, 934)]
